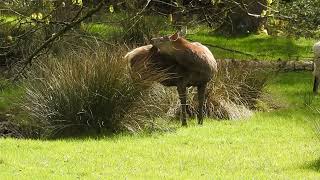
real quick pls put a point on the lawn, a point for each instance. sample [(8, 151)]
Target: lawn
[(252, 47), (279, 144), (261, 47)]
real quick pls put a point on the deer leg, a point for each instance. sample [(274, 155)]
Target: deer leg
[(201, 99), (315, 85), (182, 90)]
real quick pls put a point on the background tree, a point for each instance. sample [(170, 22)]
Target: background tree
[(302, 16), (244, 16)]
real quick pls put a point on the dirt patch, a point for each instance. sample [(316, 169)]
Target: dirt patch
[(8, 128)]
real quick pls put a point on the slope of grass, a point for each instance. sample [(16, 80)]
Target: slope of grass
[(279, 144), (261, 47)]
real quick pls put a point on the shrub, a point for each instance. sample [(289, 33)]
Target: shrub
[(233, 92), (236, 89), (84, 93), (141, 29)]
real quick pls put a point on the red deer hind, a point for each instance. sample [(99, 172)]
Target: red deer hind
[(186, 63)]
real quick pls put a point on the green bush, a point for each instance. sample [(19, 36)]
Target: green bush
[(235, 90), (141, 29), (85, 93)]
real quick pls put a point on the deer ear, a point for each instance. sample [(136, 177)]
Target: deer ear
[(175, 36)]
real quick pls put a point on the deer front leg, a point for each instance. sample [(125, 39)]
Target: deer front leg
[(182, 90), (201, 99)]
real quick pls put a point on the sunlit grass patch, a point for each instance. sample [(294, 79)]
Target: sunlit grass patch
[(261, 47), (103, 30), (278, 144), (7, 18), (262, 147)]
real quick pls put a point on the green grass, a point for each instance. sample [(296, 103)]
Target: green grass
[(7, 18), (261, 47), (9, 96), (274, 145), (101, 29)]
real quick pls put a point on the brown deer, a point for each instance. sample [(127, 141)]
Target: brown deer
[(186, 64)]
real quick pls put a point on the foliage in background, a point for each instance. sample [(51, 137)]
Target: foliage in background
[(256, 47), (141, 29), (301, 17)]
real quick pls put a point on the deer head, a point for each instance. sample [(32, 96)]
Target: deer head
[(165, 43)]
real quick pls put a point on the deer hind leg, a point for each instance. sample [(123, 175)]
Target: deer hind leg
[(201, 99), (315, 84), (182, 90)]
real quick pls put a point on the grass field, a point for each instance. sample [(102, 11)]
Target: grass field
[(279, 144), (261, 47)]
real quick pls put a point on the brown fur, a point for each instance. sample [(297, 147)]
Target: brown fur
[(186, 64)]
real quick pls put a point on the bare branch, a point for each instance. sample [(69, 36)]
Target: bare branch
[(56, 36), (169, 4)]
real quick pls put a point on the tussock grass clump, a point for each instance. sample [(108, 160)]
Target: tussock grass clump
[(234, 92), (83, 93), (237, 88)]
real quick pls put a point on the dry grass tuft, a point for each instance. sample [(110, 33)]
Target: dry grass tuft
[(85, 92), (233, 93), (236, 90)]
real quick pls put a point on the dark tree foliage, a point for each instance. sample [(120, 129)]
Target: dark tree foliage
[(302, 17), (243, 16), (225, 16), (29, 28)]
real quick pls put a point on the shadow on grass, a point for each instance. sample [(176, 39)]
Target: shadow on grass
[(114, 136), (17, 133), (314, 165), (261, 46)]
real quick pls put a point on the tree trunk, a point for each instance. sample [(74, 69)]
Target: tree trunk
[(245, 19)]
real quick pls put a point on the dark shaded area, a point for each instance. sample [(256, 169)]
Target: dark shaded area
[(9, 128), (314, 165), (243, 18)]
